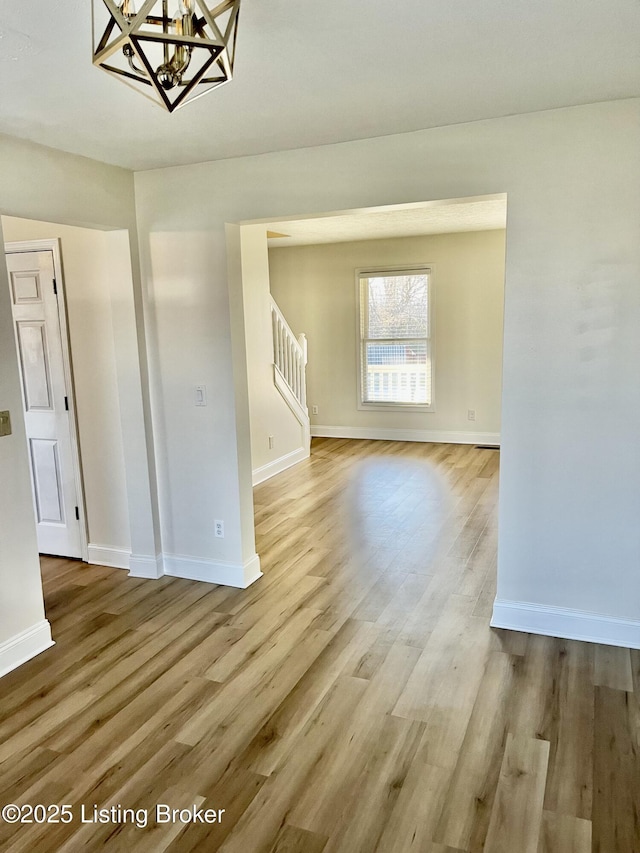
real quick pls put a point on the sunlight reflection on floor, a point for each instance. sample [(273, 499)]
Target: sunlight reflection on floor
[(394, 510)]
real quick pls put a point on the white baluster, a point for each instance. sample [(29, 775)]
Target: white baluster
[(275, 338), (302, 340), (294, 371), (287, 366), (274, 332), (290, 355)]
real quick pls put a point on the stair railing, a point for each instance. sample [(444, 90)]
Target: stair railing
[(289, 355)]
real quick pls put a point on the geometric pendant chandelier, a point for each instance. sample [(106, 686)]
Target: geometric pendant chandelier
[(171, 58)]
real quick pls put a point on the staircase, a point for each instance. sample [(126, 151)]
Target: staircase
[(289, 368)]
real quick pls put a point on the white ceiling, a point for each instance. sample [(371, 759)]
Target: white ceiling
[(398, 221), (309, 73)]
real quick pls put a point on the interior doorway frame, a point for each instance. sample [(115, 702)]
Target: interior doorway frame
[(52, 244), (238, 314)]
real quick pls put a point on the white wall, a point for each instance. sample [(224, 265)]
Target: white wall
[(269, 413), (86, 266), (39, 183), (47, 185), (570, 501), (314, 286), (199, 470), (23, 628)]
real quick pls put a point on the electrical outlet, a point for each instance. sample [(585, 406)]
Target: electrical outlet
[(270, 442), (219, 526), (314, 410), (471, 414)]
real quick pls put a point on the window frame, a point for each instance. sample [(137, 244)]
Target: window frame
[(361, 306)]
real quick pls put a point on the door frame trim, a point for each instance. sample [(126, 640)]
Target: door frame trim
[(52, 245)]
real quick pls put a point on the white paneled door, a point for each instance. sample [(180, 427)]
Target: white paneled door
[(46, 401)]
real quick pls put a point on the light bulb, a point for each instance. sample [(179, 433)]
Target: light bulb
[(128, 8), (182, 23)]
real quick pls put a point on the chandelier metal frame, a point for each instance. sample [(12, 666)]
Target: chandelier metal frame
[(170, 59)]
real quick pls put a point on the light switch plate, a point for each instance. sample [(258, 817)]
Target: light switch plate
[(5, 423)]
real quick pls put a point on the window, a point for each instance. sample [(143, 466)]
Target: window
[(395, 340)]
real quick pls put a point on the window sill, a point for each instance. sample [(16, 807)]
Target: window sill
[(395, 407)]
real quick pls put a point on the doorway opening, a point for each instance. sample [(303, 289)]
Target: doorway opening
[(312, 269), (38, 306), (61, 280)]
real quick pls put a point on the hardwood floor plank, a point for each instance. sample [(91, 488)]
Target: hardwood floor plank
[(257, 632), (570, 779), (464, 821), (360, 815), (234, 791), (456, 641), (25, 773), (562, 833), (155, 837), (250, 677), (412, 822), (40, 691), (353, 700), (278, 735), (164, 706), (533, 712), (290, 839), (229, 736), (616, 771), (340, 770), (126, 680), (516, 816), (404, 603), (74, 836), (419, 625), (52, 720), (105, 764), (484, 607), (612, 668), (269, 810), (510, 642)]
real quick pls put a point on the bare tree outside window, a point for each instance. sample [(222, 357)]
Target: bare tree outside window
[(398, 306), (395, 341)]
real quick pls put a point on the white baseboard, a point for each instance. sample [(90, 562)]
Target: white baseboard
[(213, 571), (22, 647), (428, 435), (565, 623), (146, 566), (193, 568), (102, 555), (278, 465)]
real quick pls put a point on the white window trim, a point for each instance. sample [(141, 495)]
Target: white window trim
[(395, 407)]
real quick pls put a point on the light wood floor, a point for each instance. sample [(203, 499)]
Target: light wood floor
[(354, 699)]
